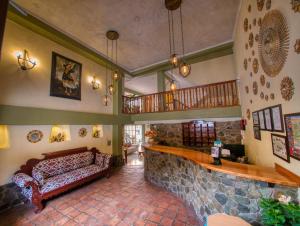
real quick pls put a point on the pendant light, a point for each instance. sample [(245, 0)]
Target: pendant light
[(184, 67), (106, 99), (172, 85)]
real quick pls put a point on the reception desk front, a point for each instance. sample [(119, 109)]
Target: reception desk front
[(231, 188)]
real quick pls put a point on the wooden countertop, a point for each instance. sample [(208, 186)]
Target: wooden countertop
[(265, 174)]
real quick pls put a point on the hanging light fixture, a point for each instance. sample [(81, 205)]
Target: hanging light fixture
[(172, 85), (106, 99), (184, 67)]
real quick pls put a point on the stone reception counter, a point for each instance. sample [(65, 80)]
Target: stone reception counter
[(231, 188)]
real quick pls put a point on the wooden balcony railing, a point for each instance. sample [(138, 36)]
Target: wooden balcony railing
[(222, 94)]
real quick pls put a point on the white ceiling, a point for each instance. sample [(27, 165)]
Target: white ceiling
[(142, 84), (142, 25)]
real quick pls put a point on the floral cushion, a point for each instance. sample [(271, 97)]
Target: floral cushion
[(21, 178), (39, 175), (102, 160), (27, 192), (60, 180), (61, 165)]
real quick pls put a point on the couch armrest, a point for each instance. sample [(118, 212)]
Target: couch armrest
[(24, 180)]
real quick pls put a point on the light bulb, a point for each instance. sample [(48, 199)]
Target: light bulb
[(173, 86), (174, 60), (185, 69), (116, 75), (106, 100), (111, 89)]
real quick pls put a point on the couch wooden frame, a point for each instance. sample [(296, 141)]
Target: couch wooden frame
[(38, 198)]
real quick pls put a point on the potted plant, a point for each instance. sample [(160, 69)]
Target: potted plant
[(280, 212)]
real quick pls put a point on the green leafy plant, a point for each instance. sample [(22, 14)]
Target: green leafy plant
[(278, 213)]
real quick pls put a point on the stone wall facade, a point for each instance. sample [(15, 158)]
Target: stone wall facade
[(210, 192), (171, 134)]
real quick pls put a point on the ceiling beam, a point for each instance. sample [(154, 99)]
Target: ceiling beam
[(32, 23), (203, 55)]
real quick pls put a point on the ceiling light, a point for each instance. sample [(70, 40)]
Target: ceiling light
[(184, 69), (173, 85)]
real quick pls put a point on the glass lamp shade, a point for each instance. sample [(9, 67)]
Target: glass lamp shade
[(184, 69), (111, 89), (116, 75), (174, 60), (106, 100), (173, 86)]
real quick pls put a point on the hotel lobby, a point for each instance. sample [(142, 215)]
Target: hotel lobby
[(149, 113)]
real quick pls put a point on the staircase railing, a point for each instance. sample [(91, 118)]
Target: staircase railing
[(222, 94)]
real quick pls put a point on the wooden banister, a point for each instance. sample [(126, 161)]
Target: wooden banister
[(221, 94)]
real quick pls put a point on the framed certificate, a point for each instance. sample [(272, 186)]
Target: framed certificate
[(279, 145), (261, 117), (277, 119), (268, 119), (255, 118), (256, 131)]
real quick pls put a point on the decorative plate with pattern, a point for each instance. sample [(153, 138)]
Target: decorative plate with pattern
[(251, 39), (82, 132), (268, 4), (262, 80), (287, 88), (255, 88), (260, 4), (35, 136), (246, 24), (255, 65)]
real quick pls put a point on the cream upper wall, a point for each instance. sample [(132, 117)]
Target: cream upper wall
[(260, 152), (32, 88), (21, 149), (211, 71)]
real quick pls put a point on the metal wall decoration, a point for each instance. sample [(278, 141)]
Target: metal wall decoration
[(245, 64), (246, 46), (251, 74), (257, 37), (295, 5), (262, 95), (251, 101), (253, 52), (247, 89), (249, 8), (268, 85), (259, 22), (254, 22), (251, 39), (250, 27), (35, 136), (273, 44), (287, 88), (262, 80), (260, 4), (246, 24), (248, 113), (268, 4), (255, 65), (255, 88), (297, 46), (82, 132), (272, 96), (266, 97)]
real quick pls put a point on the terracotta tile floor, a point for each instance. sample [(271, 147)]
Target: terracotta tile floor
[(123, 199)]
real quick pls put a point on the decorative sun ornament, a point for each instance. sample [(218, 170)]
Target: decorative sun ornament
[(287, 88)]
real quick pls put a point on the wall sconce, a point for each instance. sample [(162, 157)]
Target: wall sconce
[(24, 61), (4, 137), (97, 131), (173, 85), (60, 133), (95, 83)]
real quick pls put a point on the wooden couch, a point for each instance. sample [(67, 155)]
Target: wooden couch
[(57, 172)]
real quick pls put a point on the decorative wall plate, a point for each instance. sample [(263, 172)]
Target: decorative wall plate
[(251, 39), (248, 113), (257, 37), (259, 22), (287, 88), (255, 65), (245, 64), (251, 101), (295, 5), (247, 89), (250, 27), (297, 46), (262, 80), (272, 96), (254, 22), (255, 88), (268, 4), (35, 136), (273, 44), (246, 24), (262, 95), (260, 4), (268, 85), (249, 8), (266, 97), (82, 132)]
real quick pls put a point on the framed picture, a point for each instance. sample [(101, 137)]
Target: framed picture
[(292, 126), (256, 131), (279, 145), (261, 117), (268, 119), (65, 77), (277, 119), (255, 118)]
